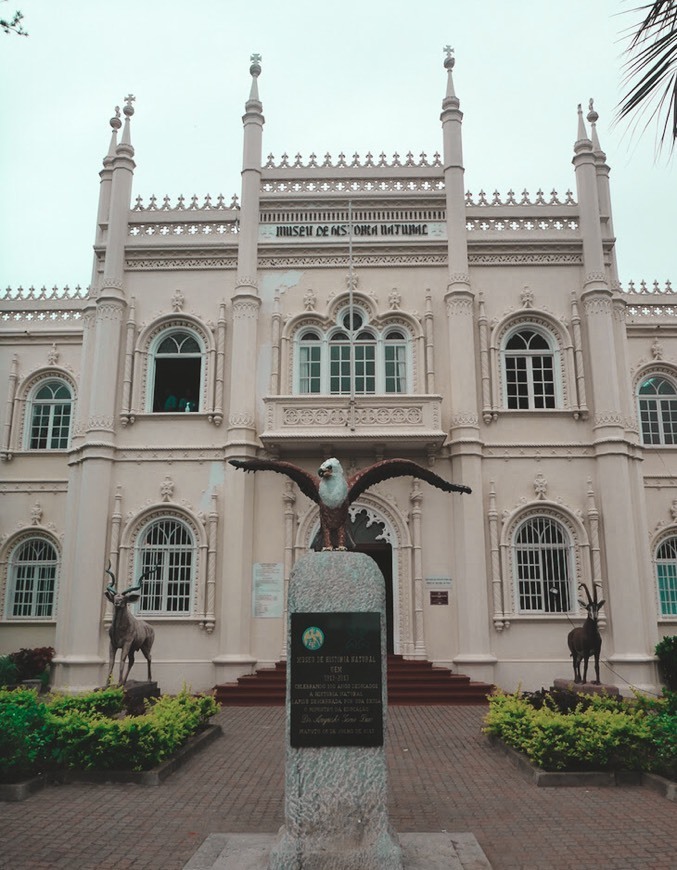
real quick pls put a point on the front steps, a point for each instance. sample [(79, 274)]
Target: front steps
[(409, 683)]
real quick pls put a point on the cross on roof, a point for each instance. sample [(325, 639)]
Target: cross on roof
[(449, 50), (129, 99), (255, 58)]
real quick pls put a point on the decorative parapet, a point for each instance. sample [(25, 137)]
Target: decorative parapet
[(370, 161), (649, 302), (183, 223), (42, 307), (390, 420), (193, 205)]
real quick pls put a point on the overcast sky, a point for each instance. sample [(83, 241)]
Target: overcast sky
[(350, 75)]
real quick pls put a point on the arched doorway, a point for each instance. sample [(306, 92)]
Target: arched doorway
[(370, 538)]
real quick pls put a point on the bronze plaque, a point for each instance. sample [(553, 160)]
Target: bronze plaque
[(335, 680), (438, 597)]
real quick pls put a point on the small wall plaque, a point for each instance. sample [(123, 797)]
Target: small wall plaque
[(439, 597)]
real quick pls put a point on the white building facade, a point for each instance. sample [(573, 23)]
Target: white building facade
[(362, 308)]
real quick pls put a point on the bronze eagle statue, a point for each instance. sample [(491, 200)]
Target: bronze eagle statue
[(334, 493)]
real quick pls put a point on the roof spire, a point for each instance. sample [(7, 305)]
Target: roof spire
[(449, 63), (582, 139), (255, 71), (592, 120), (128, 111), (115, 124)]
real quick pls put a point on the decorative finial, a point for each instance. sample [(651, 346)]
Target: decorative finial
[(115, 122), (449, 60), (129, 108), (255, 68), (592, 114)]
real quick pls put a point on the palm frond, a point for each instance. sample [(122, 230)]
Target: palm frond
[(651, 69)]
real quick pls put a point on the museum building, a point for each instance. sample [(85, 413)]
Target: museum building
[(363, 308)]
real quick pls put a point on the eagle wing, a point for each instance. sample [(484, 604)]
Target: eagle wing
[(307, 483), (388, 468)]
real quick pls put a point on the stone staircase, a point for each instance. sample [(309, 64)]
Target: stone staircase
[(409, 682)]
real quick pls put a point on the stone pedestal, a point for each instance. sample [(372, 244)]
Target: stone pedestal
[(336, 796), (137, 692), (562, 685)]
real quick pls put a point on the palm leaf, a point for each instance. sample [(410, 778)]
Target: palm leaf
[(651, 69)]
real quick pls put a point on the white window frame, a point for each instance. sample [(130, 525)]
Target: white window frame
[(379, 340), (165, 556), (170, 330), (669, 591), (540, 561), (53, 564), (554, 354), (659, 405), (34, 403)]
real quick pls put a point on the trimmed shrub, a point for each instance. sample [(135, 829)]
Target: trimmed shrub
[(598, 734), (32, 664), (8, 671), (666, 651), (78, 733)]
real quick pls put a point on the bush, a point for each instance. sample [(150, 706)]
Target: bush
[(33, 664), (8, 671), (78, 733), (666, 650), (600, 733)]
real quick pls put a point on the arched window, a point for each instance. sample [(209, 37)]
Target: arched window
[(310, 365), (542, 560), (374, 360), (50, 416), (529, 370), (32, 580), (666, 576), (166, 544), (178, 367), (657, 398)]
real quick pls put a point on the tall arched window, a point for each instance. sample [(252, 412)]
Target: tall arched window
[(529, 370), (542, 560), (167, 545), (374, 360), (50, 416), (666, 576), (178, 367), (657, 397), (32, 579)]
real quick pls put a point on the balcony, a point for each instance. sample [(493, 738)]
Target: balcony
[(392, 423)]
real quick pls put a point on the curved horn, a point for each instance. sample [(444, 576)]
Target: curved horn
[(110, 573), (595, 587), (587, 592)]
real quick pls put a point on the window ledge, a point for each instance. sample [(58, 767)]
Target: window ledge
[(28, 620)]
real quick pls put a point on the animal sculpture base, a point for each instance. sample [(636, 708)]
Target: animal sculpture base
[(336, 796), (137, 692), (562, 685)]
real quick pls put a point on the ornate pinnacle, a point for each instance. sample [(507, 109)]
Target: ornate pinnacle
[(449, 60), (255, 68), (129, 108), (115, 122)]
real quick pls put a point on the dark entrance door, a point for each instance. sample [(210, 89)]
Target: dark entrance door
[(365, 534)]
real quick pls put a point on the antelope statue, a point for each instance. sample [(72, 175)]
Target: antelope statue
[(586, 640), (126, 632)]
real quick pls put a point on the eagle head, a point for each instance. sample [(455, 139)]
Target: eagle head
[(333, 485)]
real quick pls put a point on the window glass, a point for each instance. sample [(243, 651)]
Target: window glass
[(542, 557), (51, 417), (32, 579), (658, 411), (166, 545), (178, 373), (666, 576), (529, 373)]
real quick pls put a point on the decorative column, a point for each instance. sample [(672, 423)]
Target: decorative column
[(468, 546), (289, 499), (80, 643), (234, 657), (630, 602), (429, 345), (11, 395), (416, 499)]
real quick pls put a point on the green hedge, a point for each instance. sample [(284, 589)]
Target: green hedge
[(78, 732), (598, 734)]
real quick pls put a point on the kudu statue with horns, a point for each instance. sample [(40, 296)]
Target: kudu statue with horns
[(586, 640), (126, 632)]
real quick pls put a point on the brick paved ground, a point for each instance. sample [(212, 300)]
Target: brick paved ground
[(444, 777)]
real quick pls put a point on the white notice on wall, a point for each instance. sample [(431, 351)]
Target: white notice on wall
[(268, 589), (438, 582)]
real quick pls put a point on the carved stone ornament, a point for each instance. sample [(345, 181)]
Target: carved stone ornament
[(540, 486), (53, 355), (394, 300), (673, 510), (309, 300), (657, 349), (167, 489), (36, 514), (178, 300), (527, 297)]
